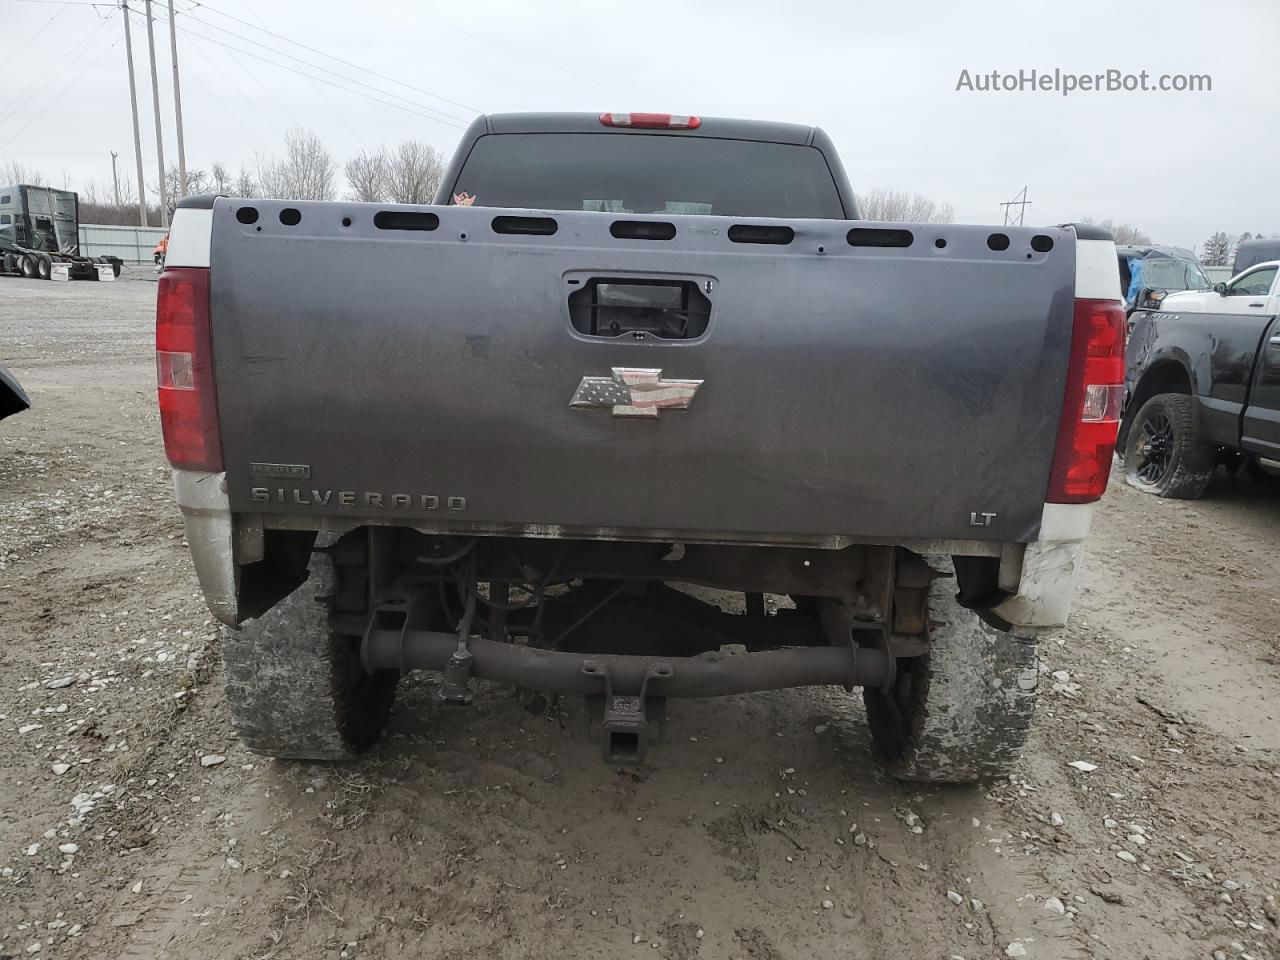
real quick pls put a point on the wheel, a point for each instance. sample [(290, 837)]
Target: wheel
[(27, 265), (962, 712), (297, 690), (44, 267), (116, 267), (1164, 454)]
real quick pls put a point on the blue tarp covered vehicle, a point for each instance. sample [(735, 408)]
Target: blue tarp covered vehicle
[(1148, 272)]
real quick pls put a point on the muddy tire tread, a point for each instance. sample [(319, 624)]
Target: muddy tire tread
[(296, 690), (969, 703), (1194, 460)]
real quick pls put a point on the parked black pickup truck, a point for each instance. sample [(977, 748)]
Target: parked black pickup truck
[(1202, 380), (624, 357)]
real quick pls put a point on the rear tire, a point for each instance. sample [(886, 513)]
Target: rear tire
[(28, 268), (1164, 454), (962, 712), (296, 690), (44, 267)]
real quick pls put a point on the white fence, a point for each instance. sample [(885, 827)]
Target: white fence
[(130, 244)]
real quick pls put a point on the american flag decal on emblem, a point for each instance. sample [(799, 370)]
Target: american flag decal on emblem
[(635, 392)]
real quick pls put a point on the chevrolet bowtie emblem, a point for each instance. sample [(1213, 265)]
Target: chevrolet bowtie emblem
[(635, 392)]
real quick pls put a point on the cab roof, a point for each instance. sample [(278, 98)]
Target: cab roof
[(719, 127)]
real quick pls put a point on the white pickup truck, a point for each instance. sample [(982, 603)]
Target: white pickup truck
[(1254, 290)]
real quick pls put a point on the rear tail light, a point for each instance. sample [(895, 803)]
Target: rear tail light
[(1091, 404), (667, 121), (184, 371)]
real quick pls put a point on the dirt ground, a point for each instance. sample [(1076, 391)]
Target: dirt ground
[(760, 831)]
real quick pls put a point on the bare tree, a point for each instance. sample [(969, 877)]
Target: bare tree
[(410, 173), (219, 178), (414, 172), (13, 172), (305, 172), (899, 205), (1127, 233), (95, 207), (198, 181), (367, 175), (1217, 250), (1123, 232), (245, 185)]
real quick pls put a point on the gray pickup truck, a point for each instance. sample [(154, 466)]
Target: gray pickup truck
[(638, 410)]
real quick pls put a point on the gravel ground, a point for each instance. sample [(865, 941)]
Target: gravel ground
[(1141, 824)]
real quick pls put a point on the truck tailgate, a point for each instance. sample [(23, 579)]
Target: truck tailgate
[(424, 376)]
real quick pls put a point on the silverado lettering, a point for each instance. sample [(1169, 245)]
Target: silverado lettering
[(351, 498)]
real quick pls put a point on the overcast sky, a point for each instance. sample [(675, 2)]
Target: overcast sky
[(880, 77)]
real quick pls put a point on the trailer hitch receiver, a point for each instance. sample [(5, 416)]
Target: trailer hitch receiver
[(626, 724)]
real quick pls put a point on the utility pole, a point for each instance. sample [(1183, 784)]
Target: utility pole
[(177, 104), (133, 103), (155, 96), (1020, 201), (115, 177)]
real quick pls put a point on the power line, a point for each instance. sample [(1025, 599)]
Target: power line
[(218, 100), (327, 80), (29, 41), (267, 124), (315, 66), (319, 67), (52, 101), (355, 66), (266, 88), (66, 64), (66, 3), (314, 86)]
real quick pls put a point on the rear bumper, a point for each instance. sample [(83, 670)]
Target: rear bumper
[(1039, 576)]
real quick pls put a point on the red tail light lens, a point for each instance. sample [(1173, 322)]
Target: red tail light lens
[(667, 121), (184, 371), (1091, 405)]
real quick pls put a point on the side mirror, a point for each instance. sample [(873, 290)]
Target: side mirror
[(1220, 289)]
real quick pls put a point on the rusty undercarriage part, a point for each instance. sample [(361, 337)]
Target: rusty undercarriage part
[(859, 575), (608, 622), (630, 688), (713, 674)]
